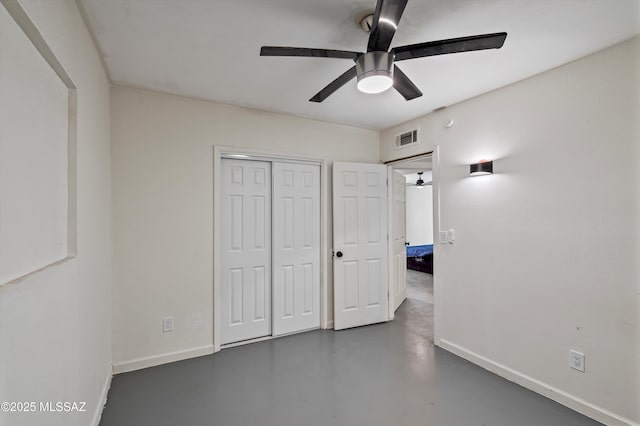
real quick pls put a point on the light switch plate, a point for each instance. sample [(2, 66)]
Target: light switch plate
[(443, 237), (451, 236)]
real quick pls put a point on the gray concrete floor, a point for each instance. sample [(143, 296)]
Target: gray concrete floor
[(419, 286), (379, 375)]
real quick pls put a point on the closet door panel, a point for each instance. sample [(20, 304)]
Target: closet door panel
[(245, 250), (296, 247)]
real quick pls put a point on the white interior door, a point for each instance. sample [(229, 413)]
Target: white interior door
[(398, 275), (296, 247), (245, 250), (360, 241)]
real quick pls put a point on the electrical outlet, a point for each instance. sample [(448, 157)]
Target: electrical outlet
[(196, 319), (576, 360), (167, 324)]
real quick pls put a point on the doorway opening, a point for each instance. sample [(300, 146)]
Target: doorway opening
[(417, 310)]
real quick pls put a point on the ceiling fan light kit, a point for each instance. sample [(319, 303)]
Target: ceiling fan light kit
[(420, 183), (375, 69)]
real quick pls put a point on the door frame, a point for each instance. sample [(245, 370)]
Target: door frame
[(437, 291), (220, 152)]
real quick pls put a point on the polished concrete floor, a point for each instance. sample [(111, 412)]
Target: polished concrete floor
[(380, 375), (419, 286)]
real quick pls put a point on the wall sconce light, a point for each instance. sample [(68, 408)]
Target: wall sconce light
[(482, 167)]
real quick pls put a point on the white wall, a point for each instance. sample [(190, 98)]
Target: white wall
[(162, 157), (547, 249), (419, 215), (55, 326)]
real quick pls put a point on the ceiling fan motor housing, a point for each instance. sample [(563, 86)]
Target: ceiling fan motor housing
[(374, 63)]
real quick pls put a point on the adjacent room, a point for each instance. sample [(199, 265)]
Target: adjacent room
[(413, 293), (305, 212)]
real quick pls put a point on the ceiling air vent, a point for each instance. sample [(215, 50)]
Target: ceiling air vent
[(407, 138)]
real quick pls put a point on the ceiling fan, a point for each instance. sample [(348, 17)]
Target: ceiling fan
[(375, 69), (420, 183)]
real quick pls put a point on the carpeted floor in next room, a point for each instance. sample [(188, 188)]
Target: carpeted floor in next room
[(379, 375)]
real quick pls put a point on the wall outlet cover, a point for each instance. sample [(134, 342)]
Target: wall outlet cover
[(167, 324), (196, 319), (576, 360)]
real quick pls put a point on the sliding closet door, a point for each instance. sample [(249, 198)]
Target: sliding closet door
[(245, 250), (296, 247)]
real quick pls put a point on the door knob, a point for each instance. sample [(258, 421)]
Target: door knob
[(339, 254)]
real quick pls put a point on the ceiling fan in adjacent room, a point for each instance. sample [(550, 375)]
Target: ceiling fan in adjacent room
[(375, 69), (420, 183)]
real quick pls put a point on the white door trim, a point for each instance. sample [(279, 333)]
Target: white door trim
[(437, 288), (220, 151)]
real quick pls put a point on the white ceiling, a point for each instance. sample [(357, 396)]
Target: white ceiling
[(209, 49)]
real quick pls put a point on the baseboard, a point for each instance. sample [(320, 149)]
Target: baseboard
[(553, 393), (152, 361), (329, 324), (102, 401)]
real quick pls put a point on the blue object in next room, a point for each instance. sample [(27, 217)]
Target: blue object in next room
[(419, 251)]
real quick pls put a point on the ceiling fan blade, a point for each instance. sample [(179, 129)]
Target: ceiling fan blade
[(385, 24), (454, 45), (334, 85), (307, 52), (404, 86), (424, 184)]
